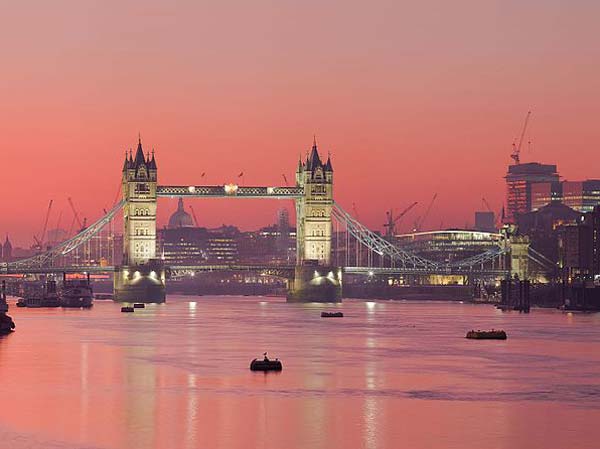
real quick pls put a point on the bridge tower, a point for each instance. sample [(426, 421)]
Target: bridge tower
[(315, 279), (141, 278)]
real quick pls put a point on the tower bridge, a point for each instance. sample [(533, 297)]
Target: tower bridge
[(313, 277)]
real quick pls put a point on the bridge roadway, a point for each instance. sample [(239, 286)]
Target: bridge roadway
[(286, 271)]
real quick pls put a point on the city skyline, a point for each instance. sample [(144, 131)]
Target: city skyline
[(440, 120), (62, 215)]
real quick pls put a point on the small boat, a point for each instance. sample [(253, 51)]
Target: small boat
[(103, 296), (21, 303), (139, 305), (265, 364), (487, 335), (127, 309), (332, 315)]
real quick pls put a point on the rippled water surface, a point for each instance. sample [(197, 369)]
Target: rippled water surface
[(387, 375)]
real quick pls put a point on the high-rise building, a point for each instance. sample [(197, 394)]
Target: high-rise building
[(581, 195), (520, 180), (544, 193)]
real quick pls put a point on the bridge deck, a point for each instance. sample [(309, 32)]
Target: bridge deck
[(230, 191)]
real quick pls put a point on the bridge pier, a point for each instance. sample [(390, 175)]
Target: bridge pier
[(316, 284), (140, 283)]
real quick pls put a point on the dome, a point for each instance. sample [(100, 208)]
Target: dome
[(180, 218)]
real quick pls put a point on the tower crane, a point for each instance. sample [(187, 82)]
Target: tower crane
[(392, 221), (194, 215), (486, 204), (82, 225), (39, 243), (285, 180), (419, 222), (516, 154)]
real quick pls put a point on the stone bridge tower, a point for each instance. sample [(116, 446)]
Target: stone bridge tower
[(315, 278), (141, 278)]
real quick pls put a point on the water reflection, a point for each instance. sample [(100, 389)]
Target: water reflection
[(388, 374)]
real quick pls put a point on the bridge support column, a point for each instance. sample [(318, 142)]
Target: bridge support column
[(316, 284), (140, 283), (519, 257)]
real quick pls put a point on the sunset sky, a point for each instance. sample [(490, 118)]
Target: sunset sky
[(411, 98)]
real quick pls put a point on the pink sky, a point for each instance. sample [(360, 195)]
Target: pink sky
[(411, 98)]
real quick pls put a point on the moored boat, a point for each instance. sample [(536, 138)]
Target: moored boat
[(7, 325), (127, 309), (76, 293), (332, 314), (103, 296), (487, 335), (44, 295)]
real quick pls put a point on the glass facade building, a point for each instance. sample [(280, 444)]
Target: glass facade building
[(520, 190)]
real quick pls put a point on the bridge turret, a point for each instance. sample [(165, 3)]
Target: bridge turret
[(313, 211), (139, 213), (315, 278), (142, 276)]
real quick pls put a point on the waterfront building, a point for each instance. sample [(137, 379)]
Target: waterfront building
[(575, 251), (448, 245), (543, 226)]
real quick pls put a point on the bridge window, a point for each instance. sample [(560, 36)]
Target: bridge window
[(142, 188), (318, 189)]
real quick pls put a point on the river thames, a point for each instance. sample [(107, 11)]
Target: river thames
[(390, 374)]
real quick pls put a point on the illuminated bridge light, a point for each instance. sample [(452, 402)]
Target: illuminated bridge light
[(230, 189)]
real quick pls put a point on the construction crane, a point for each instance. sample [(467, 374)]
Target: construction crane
[(516, 154), (58, 235), (419, 223), (285, 180), (81, 225), (194, 215), (39, 243), (486, 204), (393, 221)]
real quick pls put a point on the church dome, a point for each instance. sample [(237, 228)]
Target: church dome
[(180, 218)]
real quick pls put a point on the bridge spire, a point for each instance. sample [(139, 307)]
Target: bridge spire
[(139, 154), (152, 164), (126, 163)]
